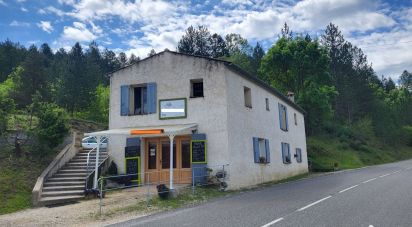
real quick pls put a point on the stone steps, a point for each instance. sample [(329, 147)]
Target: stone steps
[(68, 184)]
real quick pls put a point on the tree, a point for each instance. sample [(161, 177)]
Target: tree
[(218, 46), (34, 78), (389, 85), (196, 41), (405, 80), (257, 56), (122, 59), (133, 59), (236, 43), (74, 88), (52, 124), (11, 56), (151, 53), (286, 33)]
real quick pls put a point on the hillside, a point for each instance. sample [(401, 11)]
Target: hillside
[(19, 174)]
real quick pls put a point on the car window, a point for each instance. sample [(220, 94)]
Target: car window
[(92, 140)]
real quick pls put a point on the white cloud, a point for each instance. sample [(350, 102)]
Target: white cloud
[(15, 23), (160, 24), (79, 32), (66, 2), (23, 9), (45, 26), (3, 3), (20, 1)]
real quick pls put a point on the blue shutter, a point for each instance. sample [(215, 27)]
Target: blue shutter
[(280, 116), (124, 100), (288, 147), (151, 98), (134, 141), (267, 151), (283, 152), (286, 118), (256, 149)]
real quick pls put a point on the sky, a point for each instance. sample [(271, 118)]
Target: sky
[(382, 28)]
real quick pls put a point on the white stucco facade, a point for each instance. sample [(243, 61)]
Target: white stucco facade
[(220, 114)]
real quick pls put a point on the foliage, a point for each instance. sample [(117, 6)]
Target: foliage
[(316, 100), (52, 124)]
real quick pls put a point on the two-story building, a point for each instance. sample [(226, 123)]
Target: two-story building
[(197, 111)]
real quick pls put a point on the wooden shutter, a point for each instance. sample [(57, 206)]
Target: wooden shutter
[(286, 117), (267, 151), (124, 100), (280, 116), (256, 149), (151, 98)]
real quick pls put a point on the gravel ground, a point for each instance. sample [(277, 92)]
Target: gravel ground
[(116, 207)]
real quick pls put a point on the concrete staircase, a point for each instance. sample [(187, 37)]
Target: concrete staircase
[(68, 184)]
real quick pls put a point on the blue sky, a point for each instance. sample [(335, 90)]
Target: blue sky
[(383, 29)]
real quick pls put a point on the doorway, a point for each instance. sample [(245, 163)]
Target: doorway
[(157, 160)]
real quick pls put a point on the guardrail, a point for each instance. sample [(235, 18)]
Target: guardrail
[(67, 153), (88, 172), (210, 175)]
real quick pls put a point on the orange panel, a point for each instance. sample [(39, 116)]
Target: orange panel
[(146, 131)]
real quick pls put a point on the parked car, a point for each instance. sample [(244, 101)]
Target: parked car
[(91, 142)]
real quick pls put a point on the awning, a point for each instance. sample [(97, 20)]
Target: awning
[(148, 131)]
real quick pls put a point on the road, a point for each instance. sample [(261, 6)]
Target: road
[(373, 196)]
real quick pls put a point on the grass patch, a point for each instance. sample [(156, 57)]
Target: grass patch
[(327, 153), (17, 177)]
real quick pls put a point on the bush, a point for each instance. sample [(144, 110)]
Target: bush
[(52, 124)]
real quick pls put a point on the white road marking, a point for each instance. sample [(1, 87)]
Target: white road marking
[(385, 175), (314, 203), (409, 168), (366, 181), (370, 225), (396, 172), (344, 190), (272, 222)]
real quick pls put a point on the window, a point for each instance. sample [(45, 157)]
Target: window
[(248, 97), (261, 152), (283, 117), (166, 154), (296, 118), (139, 102), (298, 155), (267, 104), (196, 88), (286, 153), (138, 99), (185, 153), (151, 160)]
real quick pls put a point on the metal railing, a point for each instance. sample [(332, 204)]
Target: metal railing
[(88, 172), (184, 178)]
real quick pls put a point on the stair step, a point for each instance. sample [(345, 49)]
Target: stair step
[(63, 188), (64, 175), (62, 193), (72, 171), (61, 199), (61, 179), (63, 183)]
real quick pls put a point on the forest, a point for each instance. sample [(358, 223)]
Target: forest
[(41, 89)]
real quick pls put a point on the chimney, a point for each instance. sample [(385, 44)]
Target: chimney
[(291, 96)]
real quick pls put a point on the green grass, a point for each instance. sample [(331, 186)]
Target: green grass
[(327, 153), (17, 177)]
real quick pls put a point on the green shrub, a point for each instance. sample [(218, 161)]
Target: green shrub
[(52, 124)]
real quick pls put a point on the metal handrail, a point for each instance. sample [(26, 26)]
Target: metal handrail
[(88, 155)]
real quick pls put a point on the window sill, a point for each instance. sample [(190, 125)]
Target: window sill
[(194, 97), (249, 107)]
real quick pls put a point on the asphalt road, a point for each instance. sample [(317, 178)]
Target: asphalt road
[(373, 196)]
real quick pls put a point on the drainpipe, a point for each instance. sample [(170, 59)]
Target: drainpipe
[(171, 137), (96, 166)]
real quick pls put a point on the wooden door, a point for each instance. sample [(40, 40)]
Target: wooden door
[(152, 161), (157, 164)]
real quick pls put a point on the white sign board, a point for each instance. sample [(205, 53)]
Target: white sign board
[(174, 108)]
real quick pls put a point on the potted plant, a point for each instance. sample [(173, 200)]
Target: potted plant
[(262, 160), (162, 191)]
